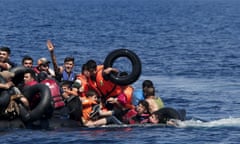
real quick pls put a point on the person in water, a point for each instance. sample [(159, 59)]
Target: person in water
[(155, 103), (138, 115), (138, 94), (64, 72)]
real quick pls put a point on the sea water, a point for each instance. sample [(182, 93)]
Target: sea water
[(188, 48)]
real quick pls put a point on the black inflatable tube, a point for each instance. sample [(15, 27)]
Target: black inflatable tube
[(19, 74), (168, 113), (4, 96), (44, 107), (136, 66)]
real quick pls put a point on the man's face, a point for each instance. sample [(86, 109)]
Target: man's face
[(28, 63), (4, 56), (27, 77), (68, 66), (44, 67)]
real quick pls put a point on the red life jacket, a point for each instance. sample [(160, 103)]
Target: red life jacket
[(36, 98), (55, 92)]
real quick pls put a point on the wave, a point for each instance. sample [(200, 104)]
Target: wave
[(225, 122)]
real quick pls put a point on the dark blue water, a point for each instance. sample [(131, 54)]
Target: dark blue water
[(188, 48)]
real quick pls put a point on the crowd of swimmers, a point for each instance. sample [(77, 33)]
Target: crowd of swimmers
[(89, 96)]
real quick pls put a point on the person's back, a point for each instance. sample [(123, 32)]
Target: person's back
[(139, 93), (154, 102)]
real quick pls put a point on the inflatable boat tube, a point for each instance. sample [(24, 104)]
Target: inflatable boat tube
[(19, 74), (4, 97), (168, 113), (61, 124), (136, 66), (44, 107), (54, 124)]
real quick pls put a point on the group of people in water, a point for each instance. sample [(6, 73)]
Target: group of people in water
[(90, 97)]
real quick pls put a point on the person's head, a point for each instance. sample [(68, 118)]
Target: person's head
[(154, 117), (149, 91), (92, 95), (4, 54), (66, 85), (84, 70), (43, 64), (147, 83), (68, 64), (92, 68), (29, 75), (142, 107), (27, 61), (42, 76)]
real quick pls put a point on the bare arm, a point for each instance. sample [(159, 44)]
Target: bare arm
[(53, 57), (5, 66)]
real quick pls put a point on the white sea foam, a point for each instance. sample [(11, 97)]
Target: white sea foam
[(225, 122)]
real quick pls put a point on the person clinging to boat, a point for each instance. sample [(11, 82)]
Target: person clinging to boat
[(138, 94), (138, 115), (155, 103)]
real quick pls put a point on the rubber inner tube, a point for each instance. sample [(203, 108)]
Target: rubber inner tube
[(136, 66), (44, 107), (4, 96)]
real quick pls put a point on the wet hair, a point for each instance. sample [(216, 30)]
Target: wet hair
[(91, 93), (84, 67), (149, 91), (147, 83), (67, 59), (66, 83), (6, 49), (42, 76), (91, 65), (145, 104), (26, 58), (32, 73)]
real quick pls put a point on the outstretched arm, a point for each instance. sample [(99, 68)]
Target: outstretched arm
[(53, 57)]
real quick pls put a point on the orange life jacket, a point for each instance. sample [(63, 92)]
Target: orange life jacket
[(92, 84), (87, 107), (106, 87)]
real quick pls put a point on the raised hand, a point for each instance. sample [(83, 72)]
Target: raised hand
[(50, 45)]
